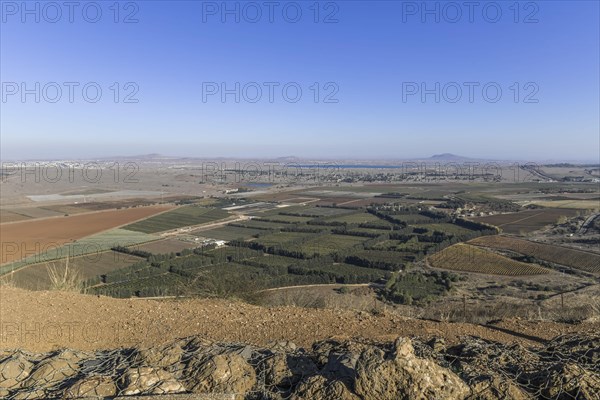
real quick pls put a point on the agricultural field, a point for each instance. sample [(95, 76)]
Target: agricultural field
[(286, 219), (282, 209), (37, 276), (341, 195), (328, 244), (273, 260), (237, 273), (444, 227), (279, 238), (165, 246), (308, 244), (467, 258), (314, 212), (389, 236), (356, 218), (259, 224), (361, 203), (571, 204), (179, 218), (229, 232), (9, 216), (585, 261), (35, 212), (414, 219), (89, 245), (558, 172), (527, 221), (22, 239)]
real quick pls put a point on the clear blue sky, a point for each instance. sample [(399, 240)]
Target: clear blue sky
[(373, 49)]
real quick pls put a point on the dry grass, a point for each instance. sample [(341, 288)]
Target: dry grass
[(66, 278), (356, 299), (7, 280)]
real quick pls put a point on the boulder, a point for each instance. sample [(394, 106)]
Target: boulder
[(149, 380), (341, 366), (319, 388), (404, 376), (496, 388), (286, 370), (14, 370), (570, 381), (227, 373), (93, 386), (54, 370), (33, 394), (282, 346), (168, 358)]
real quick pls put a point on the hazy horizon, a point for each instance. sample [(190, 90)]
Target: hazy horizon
[(431, 158)]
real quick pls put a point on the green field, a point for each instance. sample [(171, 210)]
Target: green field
[(287, 219), (280, 238), (178, 218), (230, 233), (357, 218), (324, 245), (444, 227), (261, 225), (312, 212)]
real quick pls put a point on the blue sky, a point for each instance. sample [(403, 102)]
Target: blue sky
[(370, 58)]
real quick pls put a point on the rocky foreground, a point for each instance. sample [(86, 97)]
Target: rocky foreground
[(567, 367)]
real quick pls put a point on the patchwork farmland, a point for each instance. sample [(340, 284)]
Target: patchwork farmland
[(290, 246), (178, 218), (401, 239)]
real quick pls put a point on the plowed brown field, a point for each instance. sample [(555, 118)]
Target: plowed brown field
[(30, 237)]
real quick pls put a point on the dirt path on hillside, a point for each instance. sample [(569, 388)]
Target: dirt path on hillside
[(41, 321)]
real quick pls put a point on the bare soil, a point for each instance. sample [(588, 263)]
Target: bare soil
[(43, 321), (29, 236)]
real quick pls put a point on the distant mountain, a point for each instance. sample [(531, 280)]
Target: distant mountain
[(449, 157), (153, 156), (288, 158)]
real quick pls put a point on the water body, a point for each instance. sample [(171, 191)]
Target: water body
[(258, 185)]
